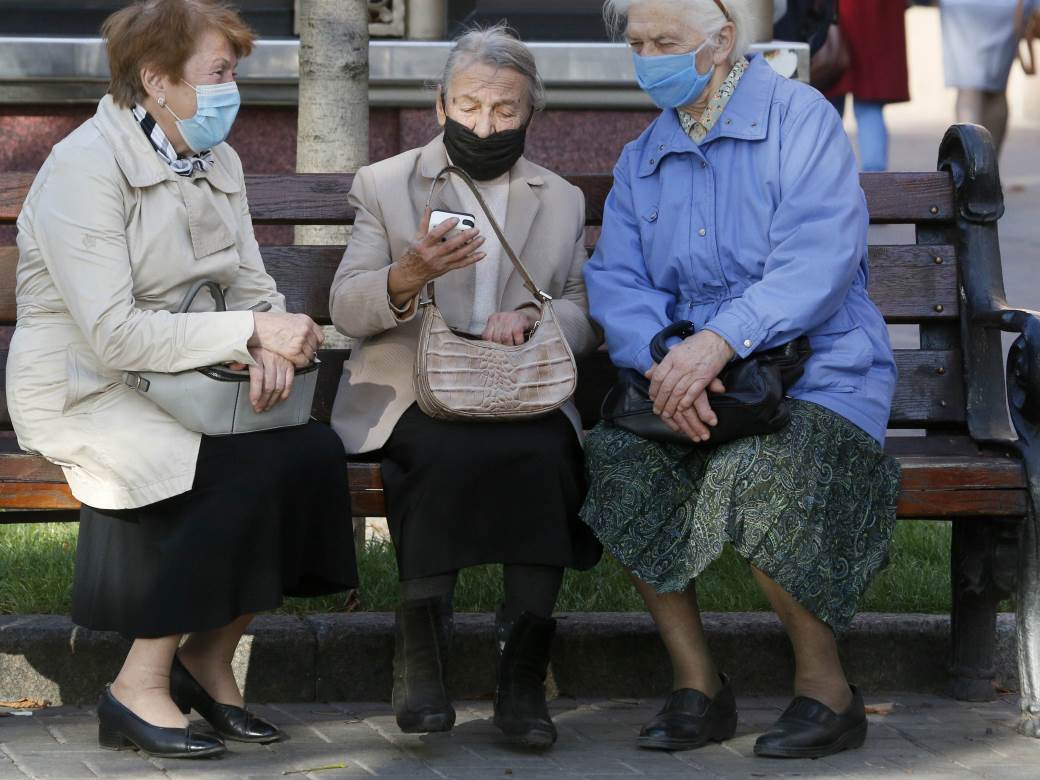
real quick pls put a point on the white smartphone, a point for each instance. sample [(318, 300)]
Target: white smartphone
[(466, 221)]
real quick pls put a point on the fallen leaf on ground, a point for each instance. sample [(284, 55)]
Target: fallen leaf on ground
[(884, 708), (25, 704), (314, 769)]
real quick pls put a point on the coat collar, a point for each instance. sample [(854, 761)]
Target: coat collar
[(525, 180), (745, 118), (139, 162), (525, 185)]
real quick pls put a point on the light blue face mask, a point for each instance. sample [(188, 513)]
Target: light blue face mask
[(216, 108), (672, 80)]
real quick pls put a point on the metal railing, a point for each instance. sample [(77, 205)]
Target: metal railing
[(577, 75)]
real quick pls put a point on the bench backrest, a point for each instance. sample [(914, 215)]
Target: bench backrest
[(912, 284)]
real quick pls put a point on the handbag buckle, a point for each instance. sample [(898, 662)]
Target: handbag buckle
[(136, 382), (546, 298)]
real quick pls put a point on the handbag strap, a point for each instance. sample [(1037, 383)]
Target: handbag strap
[(1025, 32), (214, 290), (528, 280)]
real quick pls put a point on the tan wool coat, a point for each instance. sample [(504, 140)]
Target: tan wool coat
[(110, 240), (545, 225)]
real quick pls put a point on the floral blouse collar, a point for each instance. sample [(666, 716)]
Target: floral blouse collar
[(698, 129)]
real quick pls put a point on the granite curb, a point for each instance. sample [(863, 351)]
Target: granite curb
[(347, 657)]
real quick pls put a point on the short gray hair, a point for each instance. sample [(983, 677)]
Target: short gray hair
[(704, 15), (498, 47)]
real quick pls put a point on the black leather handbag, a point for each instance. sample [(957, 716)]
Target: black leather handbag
[(754, 401)]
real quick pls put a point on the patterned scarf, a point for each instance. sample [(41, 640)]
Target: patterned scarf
[(698, 129), (182, 166)]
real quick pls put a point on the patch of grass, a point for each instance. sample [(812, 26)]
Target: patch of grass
[(36, 573), (36, 567)]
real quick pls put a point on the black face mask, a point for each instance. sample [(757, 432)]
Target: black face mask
[(483, 158)]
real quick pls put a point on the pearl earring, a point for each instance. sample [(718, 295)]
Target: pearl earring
[(161, 100)]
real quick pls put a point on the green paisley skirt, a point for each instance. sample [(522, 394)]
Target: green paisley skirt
[(812, 506)]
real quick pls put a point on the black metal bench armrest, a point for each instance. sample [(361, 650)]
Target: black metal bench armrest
[(967, 153)]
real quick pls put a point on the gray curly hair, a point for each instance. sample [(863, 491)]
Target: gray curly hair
[(499, 47)]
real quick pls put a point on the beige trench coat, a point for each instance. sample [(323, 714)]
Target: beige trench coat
[(109, 241), (545, 225)]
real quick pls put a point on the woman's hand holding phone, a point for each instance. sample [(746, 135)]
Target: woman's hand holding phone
[(430, 255)]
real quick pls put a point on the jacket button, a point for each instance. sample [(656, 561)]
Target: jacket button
[(660, 148), (747, 343), (702, 232), (704, 164), (652, 160)]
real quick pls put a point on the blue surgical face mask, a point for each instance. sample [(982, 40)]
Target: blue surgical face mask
[(216, 108), (672, 80)]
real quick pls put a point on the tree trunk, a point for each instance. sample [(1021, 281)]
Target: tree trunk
[(762, 23), (333, 121)]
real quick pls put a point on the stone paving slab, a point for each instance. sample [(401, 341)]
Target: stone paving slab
[(912, 735)]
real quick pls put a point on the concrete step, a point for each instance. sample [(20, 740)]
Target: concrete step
[(347, 657)]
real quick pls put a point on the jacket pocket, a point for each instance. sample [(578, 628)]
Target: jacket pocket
[(84, 380), (842, 354)]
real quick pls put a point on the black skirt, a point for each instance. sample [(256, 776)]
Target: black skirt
[(460, 494), (268, 515)]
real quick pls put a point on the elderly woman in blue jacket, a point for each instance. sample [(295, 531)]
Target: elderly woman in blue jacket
[(739, 209)]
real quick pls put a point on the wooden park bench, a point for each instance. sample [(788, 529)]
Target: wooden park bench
[(969, 468)]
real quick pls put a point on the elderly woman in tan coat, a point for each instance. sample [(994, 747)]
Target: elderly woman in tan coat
[(179, 533), (460, 493)]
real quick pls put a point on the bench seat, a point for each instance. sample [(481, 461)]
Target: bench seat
[(963, 459)]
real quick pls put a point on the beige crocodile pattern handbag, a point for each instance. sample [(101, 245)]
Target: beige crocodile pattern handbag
[(458, 377)]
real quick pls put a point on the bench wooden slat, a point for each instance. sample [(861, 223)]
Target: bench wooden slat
[(321, 198), (905, 281), (930, 390), (982, 485), (13, 189)]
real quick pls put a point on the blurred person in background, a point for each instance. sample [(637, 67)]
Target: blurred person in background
[(980, 40), (875, 34)]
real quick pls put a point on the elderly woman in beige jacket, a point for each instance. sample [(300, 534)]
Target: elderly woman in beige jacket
[(460, 493), (179, 533)]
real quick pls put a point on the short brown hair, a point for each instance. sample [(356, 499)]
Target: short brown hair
[(162, 34)]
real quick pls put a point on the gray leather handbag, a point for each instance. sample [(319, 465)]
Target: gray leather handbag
[(214, 400)]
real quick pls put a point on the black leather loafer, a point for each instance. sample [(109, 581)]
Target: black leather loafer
[(691, 720), (121, 729), (810, 729), (230, 722)]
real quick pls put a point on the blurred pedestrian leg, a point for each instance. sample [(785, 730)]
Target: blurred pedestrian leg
[(875, 33), (980, 40)]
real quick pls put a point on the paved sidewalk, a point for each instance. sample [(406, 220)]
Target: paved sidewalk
[(911, 736)]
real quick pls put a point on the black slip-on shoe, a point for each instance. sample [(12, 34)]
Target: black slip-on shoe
[(810, 729), (121, 729), (690, 719), (229, 721)]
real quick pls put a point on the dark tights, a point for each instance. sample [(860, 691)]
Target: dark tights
[(527, 589)]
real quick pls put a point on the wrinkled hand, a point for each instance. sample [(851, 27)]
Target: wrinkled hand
[(428, 257), (680, 384), (510, 327), (295, 337), (270, 380)]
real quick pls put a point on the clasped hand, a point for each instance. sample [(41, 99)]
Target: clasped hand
[(679, 384), (270, 379)]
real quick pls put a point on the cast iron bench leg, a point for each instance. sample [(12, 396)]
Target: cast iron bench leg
[(1028, 618), (982, 568)]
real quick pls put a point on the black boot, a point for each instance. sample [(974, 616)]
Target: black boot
[(423, 634), (520, 708)]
